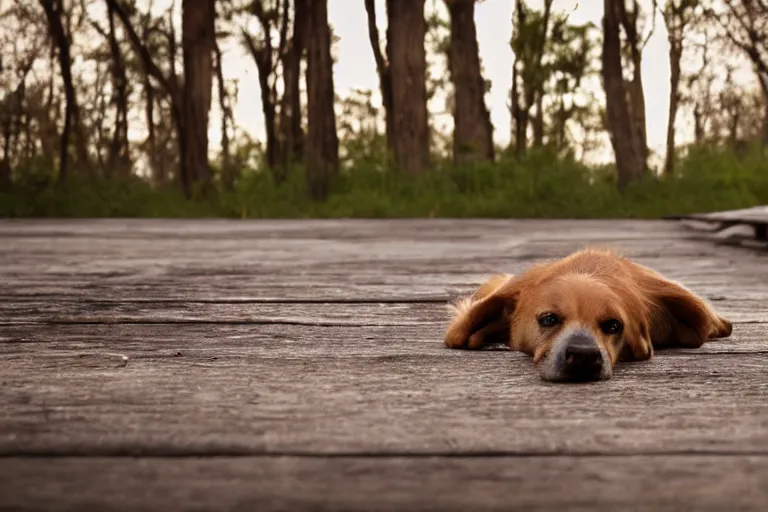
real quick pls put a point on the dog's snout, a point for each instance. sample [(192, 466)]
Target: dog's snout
[(583, 359)]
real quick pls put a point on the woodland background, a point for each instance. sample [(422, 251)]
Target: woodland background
[(106, 110)]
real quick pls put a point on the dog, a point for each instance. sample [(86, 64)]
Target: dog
[(580, 315)]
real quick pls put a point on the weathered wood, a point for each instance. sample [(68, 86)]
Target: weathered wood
[(755, 216), (727, 223), (363, 260), (140, 279), (659, 483), (68, 311), (281, 339), (167, 390), (110, 347)]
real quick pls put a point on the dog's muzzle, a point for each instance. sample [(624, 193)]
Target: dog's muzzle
[(583, 360), (576, 357)]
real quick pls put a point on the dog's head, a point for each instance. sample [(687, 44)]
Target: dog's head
[(579, 316)]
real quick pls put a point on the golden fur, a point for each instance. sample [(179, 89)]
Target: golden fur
[(584, 291)]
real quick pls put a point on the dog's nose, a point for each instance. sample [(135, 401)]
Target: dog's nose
[(583, 360)]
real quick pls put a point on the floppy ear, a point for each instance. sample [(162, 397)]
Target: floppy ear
[(677, 317), (483, 317), (637, 340)]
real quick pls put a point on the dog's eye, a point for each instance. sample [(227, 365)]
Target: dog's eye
[(611, 326), (549, 320)]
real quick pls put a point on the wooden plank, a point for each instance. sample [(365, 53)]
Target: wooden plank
[(317, 228), (201, 340), (218, 390), (117, 254), (757, 215), (358, 260), (728, 222), (662, 483), (69, 311), (280, 339), (717, 276)]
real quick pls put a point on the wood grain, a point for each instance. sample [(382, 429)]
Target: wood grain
[(168, 390), (371, 260), (266, 484), (69, 311)]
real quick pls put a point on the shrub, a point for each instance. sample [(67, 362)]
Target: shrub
[(541, 186)]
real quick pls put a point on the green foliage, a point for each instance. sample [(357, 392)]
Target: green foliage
[(542, 186)]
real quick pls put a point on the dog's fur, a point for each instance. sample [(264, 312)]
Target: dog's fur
[(583, 292)]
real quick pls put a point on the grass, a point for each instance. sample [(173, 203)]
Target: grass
[(539, 187)]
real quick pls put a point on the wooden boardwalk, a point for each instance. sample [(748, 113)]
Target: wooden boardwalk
[(225, 365)]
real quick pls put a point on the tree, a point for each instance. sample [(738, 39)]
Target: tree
[(678, 15), (118, 155), (228, 171), (190, 101), (745, 24), (61, 39), (634, 45), (698, 87), (529, 38), (17, 141), (322, 145), (473, 132), (569, 56), (264, 55), (361, 142), (292, 134), (197, 36), (384, 73), (406, 30), (627, 141), (282, 116)]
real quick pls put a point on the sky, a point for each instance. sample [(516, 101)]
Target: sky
[(355, 67)]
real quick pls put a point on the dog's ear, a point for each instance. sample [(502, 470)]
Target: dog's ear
[(676, 316), (637, 338), (483, 317)]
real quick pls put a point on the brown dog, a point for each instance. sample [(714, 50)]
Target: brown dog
[(582, 314)]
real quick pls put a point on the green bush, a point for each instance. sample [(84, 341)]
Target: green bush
[(540, 186)]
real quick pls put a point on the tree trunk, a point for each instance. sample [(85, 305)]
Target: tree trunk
[(159, 176), (119, 152), (629, 156), (519, 112), (406, 31), (5, 173), (634, 87), (560, 125), (765, 124), (197, 29), (322, 151), (675, 55), (47, 129), (538, 121), (384, 72), (764, 87), (53, 13), (227, 169), (7, 121), (519, 119), (169, 84), (637, 108), (7, 115), (290, 107), (698, 125), (263, 59), (529, 46), (472, 132)]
